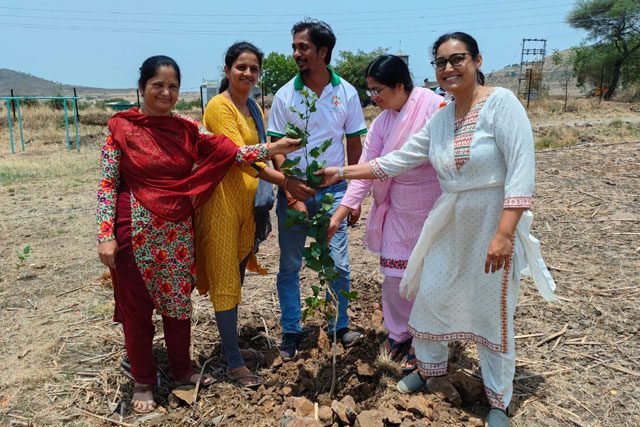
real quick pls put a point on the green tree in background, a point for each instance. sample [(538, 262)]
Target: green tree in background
[(614, 26), (277, 69), (565, 64), (352, 66)]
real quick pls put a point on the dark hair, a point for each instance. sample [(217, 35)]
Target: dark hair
[(150, 68), (390, 70), (470, 42), (320, 33), (237, 49), (232, 55), (224, 85)]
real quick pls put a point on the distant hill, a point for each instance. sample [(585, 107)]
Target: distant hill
[(29, 85), (552, 79)]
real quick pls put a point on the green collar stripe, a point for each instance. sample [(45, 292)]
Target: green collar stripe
[(298, 84)]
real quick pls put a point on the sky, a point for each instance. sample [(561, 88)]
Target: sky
[(103, 43)]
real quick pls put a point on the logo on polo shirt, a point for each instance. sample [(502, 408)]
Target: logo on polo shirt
[(336, 101)]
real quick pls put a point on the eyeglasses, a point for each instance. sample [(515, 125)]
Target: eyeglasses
[(373, 93), (455, 60)]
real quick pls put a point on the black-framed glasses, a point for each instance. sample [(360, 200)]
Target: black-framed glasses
[(372, 93), (455, 60)]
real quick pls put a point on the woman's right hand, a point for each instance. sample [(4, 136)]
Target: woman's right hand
[(330, 175), (107, 253), (336, 219), (284, 146)]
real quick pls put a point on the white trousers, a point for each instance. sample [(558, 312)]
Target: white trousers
[(498, 369)]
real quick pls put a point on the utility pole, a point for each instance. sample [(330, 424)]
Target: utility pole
[(531, 62)]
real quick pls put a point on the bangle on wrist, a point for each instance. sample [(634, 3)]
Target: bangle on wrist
[(291, 202), (341, 172)]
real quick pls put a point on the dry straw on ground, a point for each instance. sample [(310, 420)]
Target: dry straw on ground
[(577, 361)]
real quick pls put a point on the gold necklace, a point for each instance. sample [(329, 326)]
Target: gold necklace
[(242, 108)]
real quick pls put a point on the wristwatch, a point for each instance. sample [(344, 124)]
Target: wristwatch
[(341, 171)]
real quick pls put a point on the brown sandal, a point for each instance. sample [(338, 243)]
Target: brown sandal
[(143, 396), (254, 382), (195, 377)]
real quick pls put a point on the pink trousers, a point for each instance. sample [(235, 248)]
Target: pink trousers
[(396, 309)]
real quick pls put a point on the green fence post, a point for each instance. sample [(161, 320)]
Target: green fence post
[(20, 125), (66, 122), (75, 120), (10, 124)]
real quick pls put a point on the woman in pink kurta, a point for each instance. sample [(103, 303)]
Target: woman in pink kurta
[(400, 205)]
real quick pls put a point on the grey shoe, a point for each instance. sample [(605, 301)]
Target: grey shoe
[(410, 383), (289, 345), (349, 337), (497, 418)]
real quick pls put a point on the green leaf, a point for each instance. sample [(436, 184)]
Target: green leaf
[(293, 131), (297, 172), (289, 163), (315, 289), (328, 198), (350, 296), (316, 249), (315, 152), (326, 144), (314, 264)]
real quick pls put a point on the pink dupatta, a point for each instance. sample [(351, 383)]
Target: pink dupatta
[(420, 106)]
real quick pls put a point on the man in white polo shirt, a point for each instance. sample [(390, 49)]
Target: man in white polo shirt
[(338, 114)]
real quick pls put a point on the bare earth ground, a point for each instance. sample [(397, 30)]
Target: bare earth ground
[(577, 361)]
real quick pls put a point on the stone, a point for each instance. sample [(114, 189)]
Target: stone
[(392, 416), (365, 370), (377, 318), (370, 418), (470, 388), (348, 401), (324, 342), (344, 414), (421, 406), (286, 390), (303, 406), (441, 387), (475, 422), (186, 393), (272, 358), (325, 415)]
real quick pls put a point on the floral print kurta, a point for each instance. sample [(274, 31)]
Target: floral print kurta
[(163, 250)]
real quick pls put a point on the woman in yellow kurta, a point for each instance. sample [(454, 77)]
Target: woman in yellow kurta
[(225, 225)]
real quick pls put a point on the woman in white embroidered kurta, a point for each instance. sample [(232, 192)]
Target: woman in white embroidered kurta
[(465, 269)]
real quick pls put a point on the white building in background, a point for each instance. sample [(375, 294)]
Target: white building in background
[(208, 89)]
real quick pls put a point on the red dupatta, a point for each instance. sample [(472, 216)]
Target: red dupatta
[(170, 167)]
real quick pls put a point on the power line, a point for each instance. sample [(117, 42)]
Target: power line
[(271, 24), (217, 15)]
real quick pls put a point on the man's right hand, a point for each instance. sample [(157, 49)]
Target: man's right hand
[(299, 190)]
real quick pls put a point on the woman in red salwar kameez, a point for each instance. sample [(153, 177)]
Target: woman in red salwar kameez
[(156, 168)]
